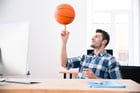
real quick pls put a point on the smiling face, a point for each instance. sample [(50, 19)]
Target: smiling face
[(97, 41)]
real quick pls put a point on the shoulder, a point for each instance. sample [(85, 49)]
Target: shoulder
[(107, 56), (111, 59)]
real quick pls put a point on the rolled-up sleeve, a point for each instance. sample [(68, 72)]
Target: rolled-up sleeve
[(73, 62)]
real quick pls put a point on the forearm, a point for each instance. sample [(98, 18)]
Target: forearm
[(64, 36), (63, 55)]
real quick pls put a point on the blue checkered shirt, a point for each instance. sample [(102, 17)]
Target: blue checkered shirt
[(104, 65)]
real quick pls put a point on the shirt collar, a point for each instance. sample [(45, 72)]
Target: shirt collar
[(101, 53)]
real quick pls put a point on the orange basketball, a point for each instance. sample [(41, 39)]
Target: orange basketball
[(64, 14)]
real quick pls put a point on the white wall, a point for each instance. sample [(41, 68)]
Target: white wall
[(44, 35)]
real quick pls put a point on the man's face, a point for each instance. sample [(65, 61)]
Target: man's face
[(97, 40)]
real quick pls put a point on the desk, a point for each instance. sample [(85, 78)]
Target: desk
[(68, 86)]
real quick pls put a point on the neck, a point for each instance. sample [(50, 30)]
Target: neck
[(98, 50)]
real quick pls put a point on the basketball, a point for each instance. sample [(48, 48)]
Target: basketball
[(64, 14)]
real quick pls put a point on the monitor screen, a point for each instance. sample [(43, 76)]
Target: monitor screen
[(13, 47)]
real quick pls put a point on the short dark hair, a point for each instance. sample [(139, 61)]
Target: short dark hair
[(104, 34)]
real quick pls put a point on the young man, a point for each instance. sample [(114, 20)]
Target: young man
[(98, 65)]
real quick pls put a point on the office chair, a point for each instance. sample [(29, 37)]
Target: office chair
[(110, 51), (131, 72)]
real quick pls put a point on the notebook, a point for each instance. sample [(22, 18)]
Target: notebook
[(106, 84)]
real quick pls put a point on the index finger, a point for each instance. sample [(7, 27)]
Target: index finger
[(86, 69)]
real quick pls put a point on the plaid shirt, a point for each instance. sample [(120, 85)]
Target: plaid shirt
[(104, 65)]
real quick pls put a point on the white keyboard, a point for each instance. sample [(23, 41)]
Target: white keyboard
[(2, 79), (23, 81)]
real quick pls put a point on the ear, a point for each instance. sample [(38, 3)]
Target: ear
[(104, 42)]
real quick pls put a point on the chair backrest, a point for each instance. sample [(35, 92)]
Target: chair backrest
[(110, 51), (130, 72)]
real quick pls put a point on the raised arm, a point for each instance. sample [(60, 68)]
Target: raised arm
[(64, 37)]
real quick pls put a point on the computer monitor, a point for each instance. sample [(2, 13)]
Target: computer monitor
[(13, 47)]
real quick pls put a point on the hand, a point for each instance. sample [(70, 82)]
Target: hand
[(65, 36), (89, 74)]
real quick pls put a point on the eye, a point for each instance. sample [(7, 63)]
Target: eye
[(96, 36)]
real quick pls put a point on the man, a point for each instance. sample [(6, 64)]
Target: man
[(98, 65)]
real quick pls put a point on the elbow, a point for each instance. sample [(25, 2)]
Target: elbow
[(63, 65)]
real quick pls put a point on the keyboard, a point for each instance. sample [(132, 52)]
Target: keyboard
[(22, 81), (2, 79)]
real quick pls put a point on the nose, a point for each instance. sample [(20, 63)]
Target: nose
[(92, 38)]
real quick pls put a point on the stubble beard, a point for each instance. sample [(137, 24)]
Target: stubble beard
[(95, 47)]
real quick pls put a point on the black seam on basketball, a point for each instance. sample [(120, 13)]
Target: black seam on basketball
[(66, 8), (65, 16)]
